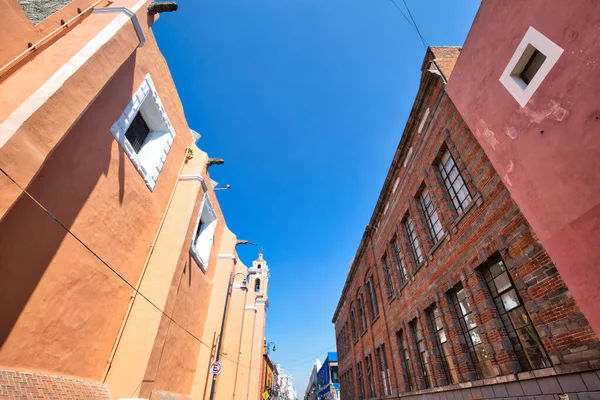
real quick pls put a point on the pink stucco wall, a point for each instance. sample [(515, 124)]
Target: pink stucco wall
[(548, 152)]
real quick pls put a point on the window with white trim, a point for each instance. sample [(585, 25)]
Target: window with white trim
[(431, 215), (145, 132), (454, 182), (530, 64), (204, 234)]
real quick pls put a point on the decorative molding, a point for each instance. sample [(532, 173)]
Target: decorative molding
[(262, 301), (194, 177), (222, 256), (253, 308), (130, 14)]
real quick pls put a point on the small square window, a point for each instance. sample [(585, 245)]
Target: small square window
[(531, 62), (529, 65), (204, 234)]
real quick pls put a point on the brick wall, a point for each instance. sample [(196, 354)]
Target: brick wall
[(490, 229), (28, 385)]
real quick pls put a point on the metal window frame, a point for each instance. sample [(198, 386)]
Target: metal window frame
[(416, 332), (431, 216), (400, 264), (405, 357), (444, 356), (502, 311), (370, 376), (445, 172), (466, 331), (384, 369), (387, 272), (414, 240), (374, 305)]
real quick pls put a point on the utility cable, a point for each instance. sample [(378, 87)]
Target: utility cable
[(113, 270), (415, 24), (410, 21)]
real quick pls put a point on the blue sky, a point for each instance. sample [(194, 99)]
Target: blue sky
[(306, 101)]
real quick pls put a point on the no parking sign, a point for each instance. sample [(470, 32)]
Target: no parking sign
[(215, 367)]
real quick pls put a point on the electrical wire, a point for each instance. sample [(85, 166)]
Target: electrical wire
[(115, 271), (410, 21), (415, 24)]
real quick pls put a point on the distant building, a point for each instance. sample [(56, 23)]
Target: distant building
[(450, 293), (285, 385), (527, 84), (268, 377), (327, 378), (312, 388)]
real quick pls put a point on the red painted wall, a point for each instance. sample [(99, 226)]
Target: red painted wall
[(548, 152)]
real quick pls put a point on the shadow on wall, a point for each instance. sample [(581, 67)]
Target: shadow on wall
[(30, 239)]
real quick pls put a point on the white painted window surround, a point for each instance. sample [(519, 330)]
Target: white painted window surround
[(204, 233), (151, 157), (510, 79)]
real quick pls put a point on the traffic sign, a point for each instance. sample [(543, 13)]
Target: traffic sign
[(215, 367), (265, 395)]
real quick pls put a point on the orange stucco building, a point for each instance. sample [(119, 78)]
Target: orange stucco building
[(115, 257)]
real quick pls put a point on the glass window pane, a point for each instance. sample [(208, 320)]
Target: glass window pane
[(497, 269), (465, 307), (463, 194), (470, 321), (502, 282), (510, 300), (519, 317), (442, 336), (475, 336), (453, 173)]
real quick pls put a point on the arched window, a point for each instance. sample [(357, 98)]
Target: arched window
[(257, 286)]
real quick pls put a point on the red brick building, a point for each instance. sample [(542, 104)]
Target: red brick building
[(451, 294), (538, 122)]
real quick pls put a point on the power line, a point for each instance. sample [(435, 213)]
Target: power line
[(415, 24), (410, 21), (115, 271)]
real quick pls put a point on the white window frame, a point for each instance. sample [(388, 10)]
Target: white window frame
[(201, 247), (151, 157), (510, 79)]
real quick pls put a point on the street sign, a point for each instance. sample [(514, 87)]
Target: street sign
[(265, 395), (215, 367)]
